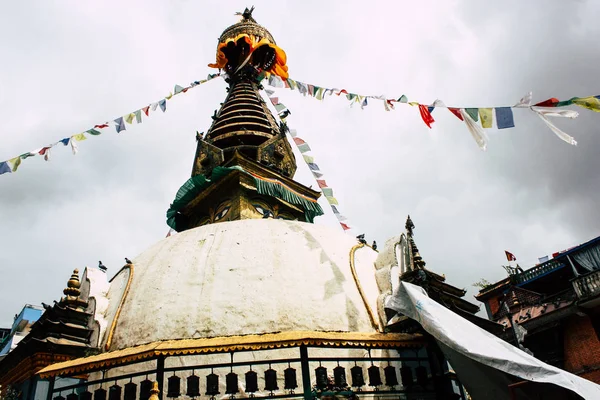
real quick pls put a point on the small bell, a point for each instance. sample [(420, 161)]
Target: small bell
[(289, 378), (173, 386), (231, 383), (114, 392), (391, 379), (421, 373), (406, 376), (130, 391), (321, 375), (339, 376), (358, 378), (251, 381), (100, 394), (271, 380), (212, 384), (374, 376), (193, 386), (145, 388)]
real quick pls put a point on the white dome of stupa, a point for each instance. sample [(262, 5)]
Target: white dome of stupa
[(244, 277)]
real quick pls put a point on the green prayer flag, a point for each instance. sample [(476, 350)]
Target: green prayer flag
[(25, 155), (280, 107), (403, 99), (93, 132), (303, 147), (138, 116), (473, 113), (327, 192)]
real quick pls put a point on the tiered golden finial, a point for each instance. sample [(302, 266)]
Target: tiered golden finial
[(154, 391), (73, 284)]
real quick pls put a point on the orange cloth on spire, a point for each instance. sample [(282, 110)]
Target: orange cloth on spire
[(278, 68)]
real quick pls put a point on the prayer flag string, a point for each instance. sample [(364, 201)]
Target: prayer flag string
[(475, 118), (11, 165), (304, 149)]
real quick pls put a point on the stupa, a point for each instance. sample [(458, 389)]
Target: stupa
[(250, 298)]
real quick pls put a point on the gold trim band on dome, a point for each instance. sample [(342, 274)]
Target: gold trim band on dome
[(226, 344), (113, 325), (359, 286)]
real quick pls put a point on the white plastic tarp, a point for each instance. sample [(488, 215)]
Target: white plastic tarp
[(463, 341)]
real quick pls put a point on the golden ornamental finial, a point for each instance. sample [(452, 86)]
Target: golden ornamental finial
[(73, 285), (247, 14), (409, 226), (154, 391)]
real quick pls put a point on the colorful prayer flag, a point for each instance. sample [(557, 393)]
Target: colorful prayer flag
[(426, 115), (308, 159), (129, 118), (525, 101), (504, 118), (456, 112), (120, 124), (591, 102), (4, 168), (344, 226), (146, 110), (486, 117), (138, 116), (473, 113), (101, 126), (322, 184), (178, 89), (547, 103), (168, 97), (332, 200), (65, 141), (79, 137), (313, 167), (163, 105), (304, 148), (15, 163), (327, 192), (403, 99), (45, 151), (299, 141), (93, 132)]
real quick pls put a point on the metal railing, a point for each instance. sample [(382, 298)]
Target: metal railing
[(587, 286), (537, 271)]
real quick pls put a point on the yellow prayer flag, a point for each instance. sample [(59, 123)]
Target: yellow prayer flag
[(129, 118), (413, 103), (15, 163), (79, 137), (591, 103), (332, 200), (169, 96), (485, 115), (308, 159)]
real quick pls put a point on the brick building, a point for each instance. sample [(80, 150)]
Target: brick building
[(553, 309)]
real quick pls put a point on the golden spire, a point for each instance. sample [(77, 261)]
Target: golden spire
[(73, 285), (154, 391)]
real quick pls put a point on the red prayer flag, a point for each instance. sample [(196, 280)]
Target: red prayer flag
[(146, 110), (43, 150), (274, 100), (299, 141), (548, 103), (456, 112), (322, 184), (426, 115), (342, 91), (510, 256), (101, 126), (391, 103), (344, 226)]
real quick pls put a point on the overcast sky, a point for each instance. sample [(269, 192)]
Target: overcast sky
[(67, 65)]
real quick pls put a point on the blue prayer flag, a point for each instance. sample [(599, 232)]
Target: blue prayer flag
[(120, 124), (65, 141), (504, 118), (313, 167), (4, 168), (163, 105)]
